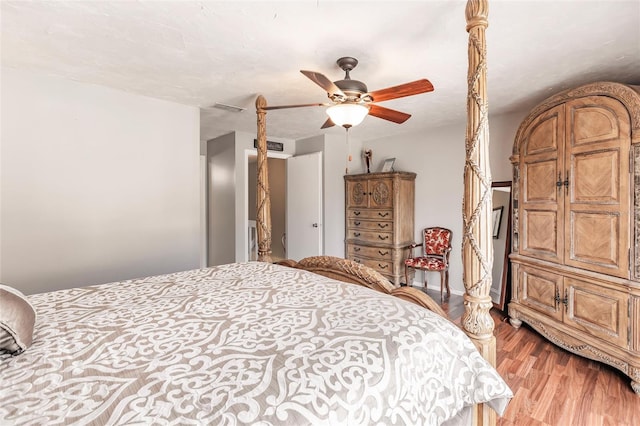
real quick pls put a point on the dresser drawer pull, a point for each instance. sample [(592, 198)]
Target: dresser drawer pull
[(383, 253), (356, 213), (383, 266), (357, 223), (356, 234), (383, 225), (356, 249), (357, 260), (385, 214), (383, 237)]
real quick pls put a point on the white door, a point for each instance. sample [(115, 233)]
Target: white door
[(304, 206)]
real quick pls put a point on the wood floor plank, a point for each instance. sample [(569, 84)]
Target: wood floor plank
[(567, 416), (525, 366), (554, 387)]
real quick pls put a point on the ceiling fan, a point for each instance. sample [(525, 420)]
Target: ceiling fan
[(351, 101)]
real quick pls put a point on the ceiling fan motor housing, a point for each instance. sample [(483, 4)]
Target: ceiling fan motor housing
[(354, 89)]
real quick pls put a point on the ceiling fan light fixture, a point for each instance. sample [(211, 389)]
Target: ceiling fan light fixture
[(347, 114)]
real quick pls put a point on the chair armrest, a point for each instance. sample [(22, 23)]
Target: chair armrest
[(411, 247), (445, 256)]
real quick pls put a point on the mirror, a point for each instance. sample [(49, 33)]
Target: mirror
[(501, 195)]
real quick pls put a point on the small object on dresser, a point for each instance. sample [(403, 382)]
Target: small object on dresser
[(368, 156), (387, 166)]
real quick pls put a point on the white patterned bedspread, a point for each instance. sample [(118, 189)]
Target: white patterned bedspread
[(249, 343)]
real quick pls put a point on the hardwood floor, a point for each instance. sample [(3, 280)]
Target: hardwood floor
[(552, 386)]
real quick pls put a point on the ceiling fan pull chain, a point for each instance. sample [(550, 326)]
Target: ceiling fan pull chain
[(346, 171)]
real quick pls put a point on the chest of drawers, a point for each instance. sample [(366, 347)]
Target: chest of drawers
[(380, 220)]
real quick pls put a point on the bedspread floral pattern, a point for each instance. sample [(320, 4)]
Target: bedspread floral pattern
[(250, 343)]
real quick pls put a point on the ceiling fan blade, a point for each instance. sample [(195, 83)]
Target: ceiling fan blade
[(328, 123), (407, 89), (292, 106), (388, 114), (322, 81)]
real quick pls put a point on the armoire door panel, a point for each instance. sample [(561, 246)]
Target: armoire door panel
[(541, 163), (593, 123), (596, 177), (594, 243), (538, 234), (539, 290), (540, 181), (543, 134), (597, 226), (597, 310)]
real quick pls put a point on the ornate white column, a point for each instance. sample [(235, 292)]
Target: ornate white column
[(477, 242)]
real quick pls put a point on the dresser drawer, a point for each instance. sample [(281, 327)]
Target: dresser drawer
[(369, 225), (384, 254), (369, 214), (370, 236), (379, 265)]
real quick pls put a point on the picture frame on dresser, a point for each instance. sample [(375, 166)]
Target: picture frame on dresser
[(387, 166)]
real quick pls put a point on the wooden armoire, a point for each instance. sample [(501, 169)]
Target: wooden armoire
[(576, 231), (380, 220)]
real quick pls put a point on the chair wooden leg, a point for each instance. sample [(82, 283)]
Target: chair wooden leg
[(446, 281), (406, 275), (441, 283)]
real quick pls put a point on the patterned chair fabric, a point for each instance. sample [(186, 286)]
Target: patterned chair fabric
[(436, 244), (430, 263)]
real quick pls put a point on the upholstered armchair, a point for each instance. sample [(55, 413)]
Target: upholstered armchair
[(436, 244)]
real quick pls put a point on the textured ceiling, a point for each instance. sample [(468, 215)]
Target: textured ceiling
[(199, 53)]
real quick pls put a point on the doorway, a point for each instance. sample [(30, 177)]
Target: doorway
[(287, 229), (278, 192)]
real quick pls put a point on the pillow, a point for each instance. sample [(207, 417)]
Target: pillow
[(17, 318)]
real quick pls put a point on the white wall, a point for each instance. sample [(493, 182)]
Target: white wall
[(221, 199), (97, 185), (438, 159)]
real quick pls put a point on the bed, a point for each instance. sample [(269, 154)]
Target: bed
[(262, 343), (244, 343)]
